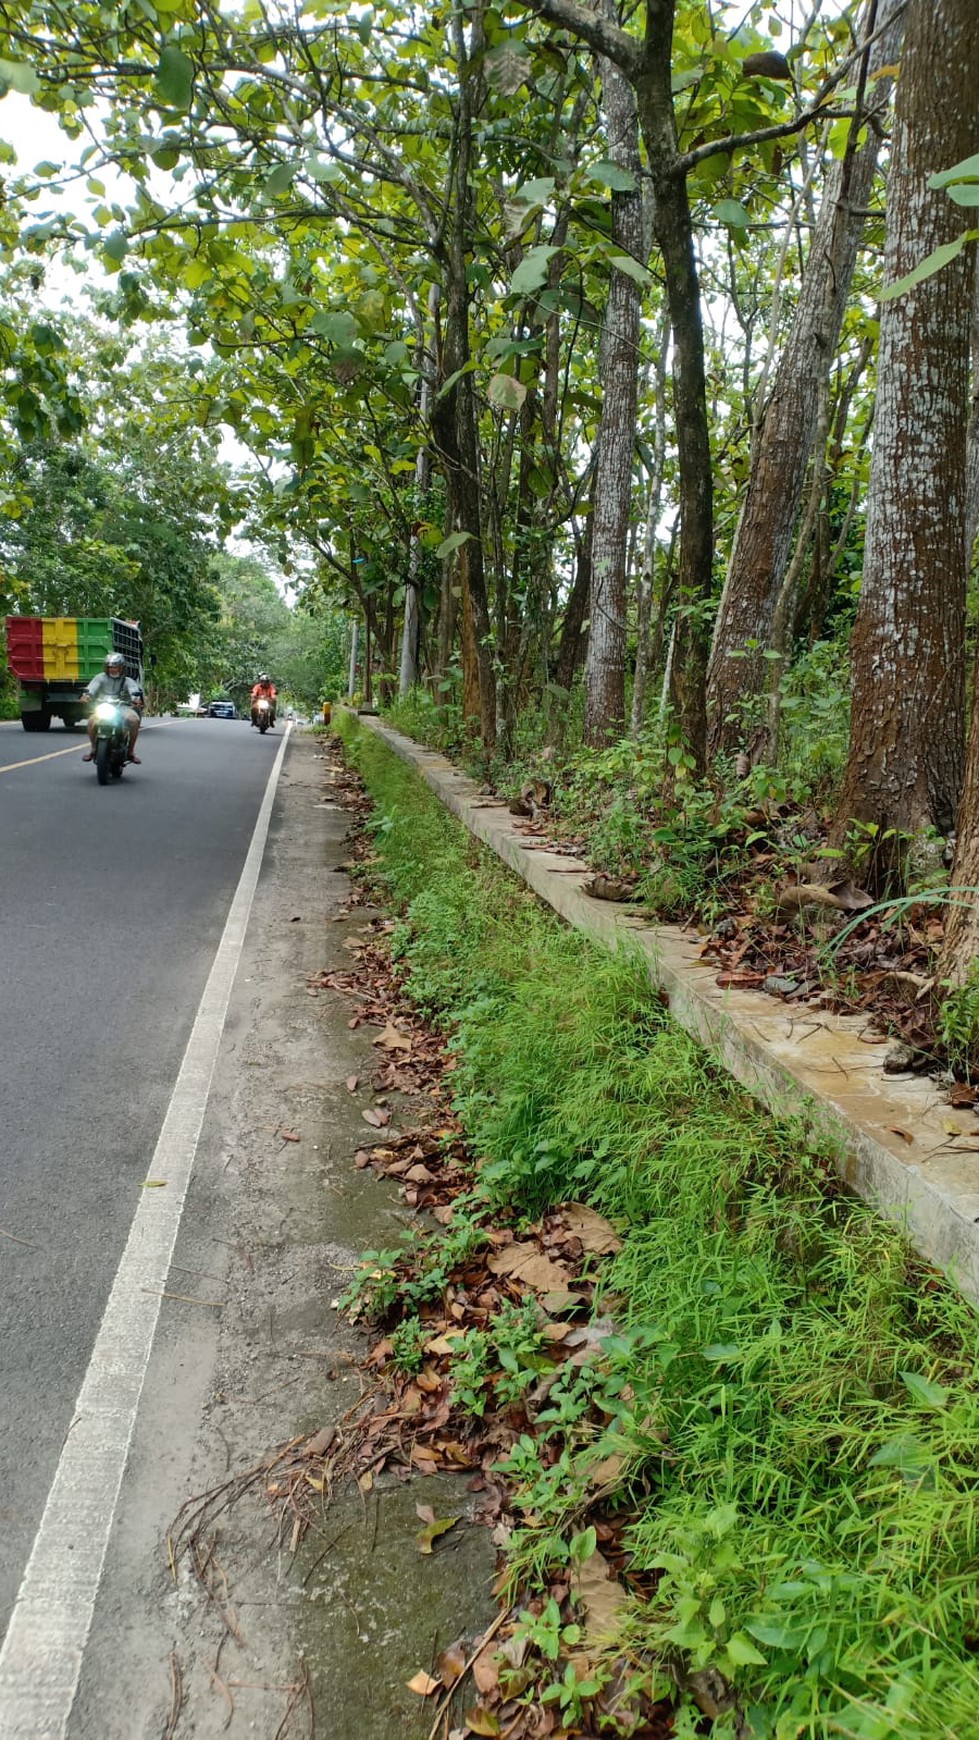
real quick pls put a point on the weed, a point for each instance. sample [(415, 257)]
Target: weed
[(958, 1024), (794, 1400), (408, 1345)]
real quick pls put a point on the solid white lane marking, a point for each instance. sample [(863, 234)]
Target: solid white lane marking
[(41, 1658)]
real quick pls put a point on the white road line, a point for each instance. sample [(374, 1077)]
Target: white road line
[(41, 1657)]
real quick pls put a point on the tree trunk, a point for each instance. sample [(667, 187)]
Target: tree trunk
[(674, 236), (647, 573), (904, 770), (454, 412), (604, 718), (781, 453), (411, 637)]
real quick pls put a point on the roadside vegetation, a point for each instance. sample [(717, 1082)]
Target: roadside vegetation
[(770, 1448)]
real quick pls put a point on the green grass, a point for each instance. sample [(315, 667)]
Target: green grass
[(796, 1397)]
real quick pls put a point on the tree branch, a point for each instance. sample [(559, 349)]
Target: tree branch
[(600, 34)]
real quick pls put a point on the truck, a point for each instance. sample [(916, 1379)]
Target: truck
[(54, 657)]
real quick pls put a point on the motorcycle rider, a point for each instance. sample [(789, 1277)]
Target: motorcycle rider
[(113, 683), (264, 690)]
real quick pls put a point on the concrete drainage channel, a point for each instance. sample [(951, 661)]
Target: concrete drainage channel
[(897, 1141)]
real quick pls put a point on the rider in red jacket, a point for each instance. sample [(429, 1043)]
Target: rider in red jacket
[(264, 689)]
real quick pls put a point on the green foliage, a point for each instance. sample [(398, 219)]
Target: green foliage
[(796, 1400), (958, 1025)]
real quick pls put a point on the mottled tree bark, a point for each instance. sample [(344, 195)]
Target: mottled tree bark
[(604, 718), (905, 764), (787, 432)]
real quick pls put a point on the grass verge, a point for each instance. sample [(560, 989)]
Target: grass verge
[(791, 1401)]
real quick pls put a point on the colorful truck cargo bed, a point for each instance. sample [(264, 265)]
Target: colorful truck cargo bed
[(53, 657)]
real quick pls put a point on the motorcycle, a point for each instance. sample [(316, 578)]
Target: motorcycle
[(262, 714), (111, 741)]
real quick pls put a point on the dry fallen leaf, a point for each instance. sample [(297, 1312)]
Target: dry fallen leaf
[(376, 1117), (601, 1596), (423, 1684), (352, 1083), (393, 1039), (320, 1444), (480, 1721), (289, 1135), (594, 1231), (485, 1672), (905, 1135), (524, 1262), (365, 1481), (426, 1538), (452, 1665)]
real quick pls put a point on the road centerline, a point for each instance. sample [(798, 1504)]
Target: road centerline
[(41, 1657)]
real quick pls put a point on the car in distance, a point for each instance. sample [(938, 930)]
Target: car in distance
[(222, 710)]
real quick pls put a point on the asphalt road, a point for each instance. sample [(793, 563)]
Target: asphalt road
[(112, 903)]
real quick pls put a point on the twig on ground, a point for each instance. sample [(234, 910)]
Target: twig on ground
[(478, 1648), (176, 1696)]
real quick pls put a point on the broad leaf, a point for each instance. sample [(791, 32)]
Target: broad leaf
[(175, 77), (18, 75), (924, 1391), (532, 270), (932, 263), (506, 392), (967, 170), (632, 268), (732, 213), (453, 542), (609, 174)]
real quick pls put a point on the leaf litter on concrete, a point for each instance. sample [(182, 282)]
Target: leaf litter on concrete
[(428, 1306)]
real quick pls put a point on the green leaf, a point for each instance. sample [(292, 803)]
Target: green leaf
[(506, 392), (967, 170), (721, 1352), (507, 65), (964, 193), (536, 192), (632, 268), (18, 75), (732, 213), (932, 263), (742, 1651), (338, 328), (904, 1451), (175, 77), (532, 271), (774, 1635), (281, 177), (116, 245), (609, 174), (453, 542), (928, 1394), (320, 170)]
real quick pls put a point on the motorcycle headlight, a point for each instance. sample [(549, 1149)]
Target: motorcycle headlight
[(105, 710)]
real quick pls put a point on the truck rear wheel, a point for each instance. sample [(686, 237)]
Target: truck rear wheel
[(36, 721)]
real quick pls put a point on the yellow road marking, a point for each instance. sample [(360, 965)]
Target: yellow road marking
[(52, 755)]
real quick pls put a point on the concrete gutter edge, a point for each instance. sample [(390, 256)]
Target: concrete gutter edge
[(895, 1140)]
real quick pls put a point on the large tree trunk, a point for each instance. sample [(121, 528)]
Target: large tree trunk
[(411, 635), (454, 413), (674, 235), (604, 718), (787, 431), (904, 770)]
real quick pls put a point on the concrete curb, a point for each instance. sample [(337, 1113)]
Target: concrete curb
[(892, 1137)]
